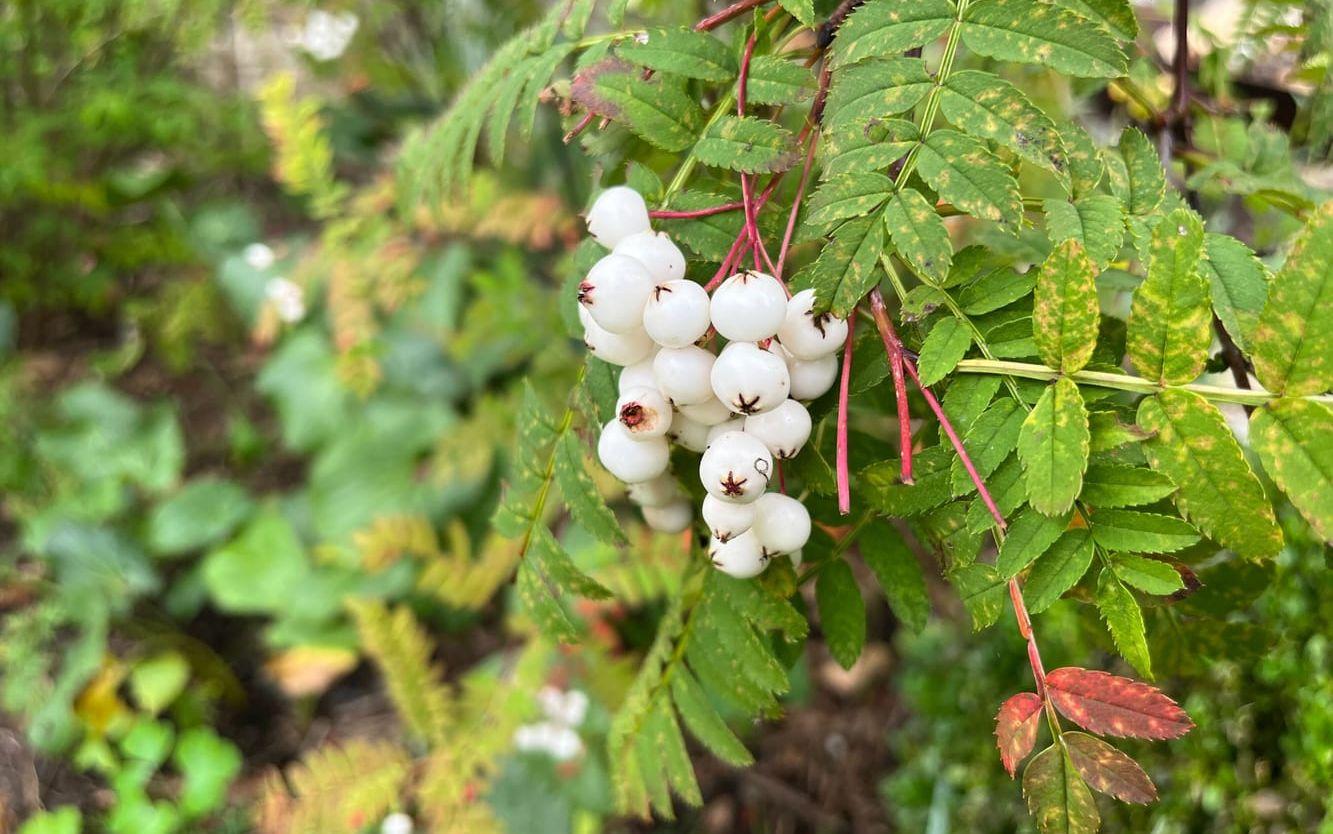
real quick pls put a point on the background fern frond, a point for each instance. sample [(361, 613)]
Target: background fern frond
[(402, 650)]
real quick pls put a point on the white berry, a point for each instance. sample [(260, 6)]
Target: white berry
[(781, 523), (784, 429), (638, 375), (741, 557), (655, 251), (736, 467), (629, 459), (615, 291), (688, 433), (710, 413), (810, 379), (749, 307), (683, 375), (616, 214), (807, 336), (714, 432), (644, 412), (750, 380), (672, 518), (727, 519), (676, 314), (617, 348), (658, 492)]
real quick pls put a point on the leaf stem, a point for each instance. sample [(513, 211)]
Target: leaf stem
[(897, 368), (731, 12), (932, 105), (673, 214), (844, 477)]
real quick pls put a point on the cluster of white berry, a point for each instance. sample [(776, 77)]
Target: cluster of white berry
[(741, 407)]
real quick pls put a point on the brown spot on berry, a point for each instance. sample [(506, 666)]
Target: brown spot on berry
[(585, 293), (632, 415), (733, 487), (659, 289)]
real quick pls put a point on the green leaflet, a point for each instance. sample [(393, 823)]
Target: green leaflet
[(1145, 178), (682, 51), (663, 759), (982, 592), (986, 105), (1131, 531), (876, 89), (658, 111), (580, 493), (1057, 797), (898, 573), (918, 233), (703, 721), (1170, 320), (1239, 284), (543, 606), (842, 612), (1033, 32), (865, 145), (990, 440), (846, 196), (1053, 446), (845, 269), (1294, 439), (1109, 433), (1116, 15), (1292, 346), (884, 28), (1007, 491), (775, 80), (968, 175), (967, 397), (996, 289), (1029, 536), (944, 346), (1124, 620), (506, 100), (1148, 575), (1118, 485), (747, 144), (558, 570), (1065, 312), (1217, 491), (802, 10), (887, 493), (1094, 220), (1058, 569), (1085, 164)]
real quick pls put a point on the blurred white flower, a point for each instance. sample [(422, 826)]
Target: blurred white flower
[(568, 708), (287, 298), (555, 736), (259, 256), (327, 34), (398, 823)]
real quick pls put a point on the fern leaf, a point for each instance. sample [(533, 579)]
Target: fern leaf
[(402, 650)]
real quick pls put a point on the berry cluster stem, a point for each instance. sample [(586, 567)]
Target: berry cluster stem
[(731, 12), (844, 476)]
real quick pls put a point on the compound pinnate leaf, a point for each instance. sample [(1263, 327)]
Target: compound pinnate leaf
[(842, 612), (1029, 536), (1146, 182), (944, 346), (1016, 726), (1118, 485), (1124, 620), (1170, 320), (1056, 795), (1110, 705), (1294, 439), (876, 89), (884, 28), (747, 144), (1135, 532), (1107, 770), (703, 721), (1116, 15), (657, 110), (846, 196), (898, 573), (775, 80), (845, 269), (1292, 345), (1058, 569), (986, 105), (918, 233), (1193, 446), (1065, 311), (1094, 220), (969, 176), (580, 493), (1053, 446), (683, 52), (1239, 284), (1032, 32)]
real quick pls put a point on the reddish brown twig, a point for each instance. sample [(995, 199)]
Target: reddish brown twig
[(676, 214), (844, 476), (580, 127), (894, 349), (731, 12)]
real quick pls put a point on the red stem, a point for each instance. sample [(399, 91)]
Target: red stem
[(674, 214), (894, 348), (580, 127), (731, 12), (1025, 629), (796, 205), (844, 392)]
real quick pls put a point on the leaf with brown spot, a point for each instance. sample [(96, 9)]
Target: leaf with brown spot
[(1016, 726), (1294, 439), (1170, 317), (1114, 706), (1108, 770)]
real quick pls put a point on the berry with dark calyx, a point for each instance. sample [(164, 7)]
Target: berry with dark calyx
[(630, 459), (727, 519), (656, 252), (644, 412), (676, 314), (615, 292), (750, 380), (736, 467), (616, 214), (671, 518), (749, 307), (741, 556), (687, 433), (784, 429), (658, 492), (710, 413), (684, 375), (808, 336), (618, 348), (781, 523)]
